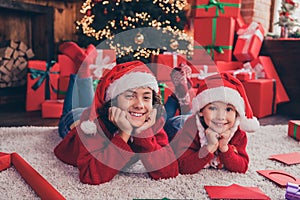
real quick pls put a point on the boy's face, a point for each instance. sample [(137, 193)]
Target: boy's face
[(219, 116), (137, 103)]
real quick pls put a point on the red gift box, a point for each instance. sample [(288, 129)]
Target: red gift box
[(106, 59), (261, 95), (294, 130), (201, 72), (42, 83), (166, 89), (215, 35), (67, 66), (63, 84), (239, 23), (245, 76), (249, 42), (266, 63), (162, 65), (229, 66), (5, 161), (52, 108), (222, 8)]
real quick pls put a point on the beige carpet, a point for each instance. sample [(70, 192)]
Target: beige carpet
[(35, 145)]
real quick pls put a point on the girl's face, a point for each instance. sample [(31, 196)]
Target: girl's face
[(137, 103), (219, 116)]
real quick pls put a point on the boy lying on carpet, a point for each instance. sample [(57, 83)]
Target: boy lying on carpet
[(123, 126), (214, 136)]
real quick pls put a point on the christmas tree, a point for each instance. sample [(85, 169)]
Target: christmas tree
[(287, 22), (136, 29)]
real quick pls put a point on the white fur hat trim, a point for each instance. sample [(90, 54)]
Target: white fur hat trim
[(88, 127), (230, 96), (130, 81)]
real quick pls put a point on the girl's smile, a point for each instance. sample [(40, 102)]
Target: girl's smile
[(219, 116)]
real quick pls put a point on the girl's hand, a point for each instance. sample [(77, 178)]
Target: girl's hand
[(212, 140), (223, 141), (118, 117), (148, 123)]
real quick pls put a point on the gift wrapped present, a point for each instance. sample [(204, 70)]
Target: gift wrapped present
[(239, 23), (258, 69), (215, 35), (52, 108), (249, 42), (244, 74), (67, 66), (229, 65), (294, 130), (216, 8), (166, 89), (266, 63), (261, 94), (5, 161), (63, 84), (106, 59), (292, 191), (42, 83), (163, 64)]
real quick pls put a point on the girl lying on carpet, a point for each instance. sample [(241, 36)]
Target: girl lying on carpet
[(214, 136), (123, 126)]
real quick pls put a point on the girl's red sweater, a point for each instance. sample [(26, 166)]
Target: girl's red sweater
[(186, 145)]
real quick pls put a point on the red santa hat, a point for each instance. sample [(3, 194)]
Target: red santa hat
[(228, 89), (121, 78)]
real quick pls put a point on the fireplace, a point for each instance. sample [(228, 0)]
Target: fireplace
[(32, 24)]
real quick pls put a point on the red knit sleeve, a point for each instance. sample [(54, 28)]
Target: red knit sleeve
[(186, 146), (100, 159), (236, 158)]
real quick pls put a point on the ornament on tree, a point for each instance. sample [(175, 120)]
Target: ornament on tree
[(139, 38), (105, 21), (88, 12), (174, 44)]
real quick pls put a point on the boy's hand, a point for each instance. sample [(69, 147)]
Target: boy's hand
[(118, 117), (148, 123)]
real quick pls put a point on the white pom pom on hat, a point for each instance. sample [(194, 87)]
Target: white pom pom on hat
[(119, 79), (226, 88)]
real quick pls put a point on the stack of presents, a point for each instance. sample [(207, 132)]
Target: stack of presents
[(47, 82), (222, 42)]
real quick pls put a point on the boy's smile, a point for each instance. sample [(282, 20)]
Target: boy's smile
[(138, 104)]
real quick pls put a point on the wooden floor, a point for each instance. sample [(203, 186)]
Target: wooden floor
[(15, 115)]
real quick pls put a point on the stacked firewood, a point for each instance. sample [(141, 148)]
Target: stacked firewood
[(13, 63)]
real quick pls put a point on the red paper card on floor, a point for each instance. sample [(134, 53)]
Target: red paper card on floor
[(287, 158), (235, 191), (279, 176)]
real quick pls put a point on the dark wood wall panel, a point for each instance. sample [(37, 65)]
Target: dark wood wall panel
[(285, 54)]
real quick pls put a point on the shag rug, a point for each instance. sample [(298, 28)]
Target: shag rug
[(36, 144)]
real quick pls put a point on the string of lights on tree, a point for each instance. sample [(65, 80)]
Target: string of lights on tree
[(136, 29)]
